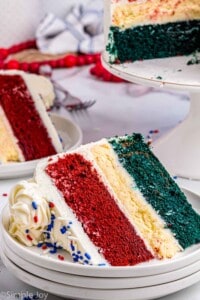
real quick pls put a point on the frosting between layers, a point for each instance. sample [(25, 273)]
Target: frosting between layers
[(77, 240), (127, 14), (148, 224)]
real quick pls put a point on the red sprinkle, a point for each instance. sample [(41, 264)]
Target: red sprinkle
[(29, 237), (51, 204), (61, 257), (35, 219), (4, 195), (44, 247)]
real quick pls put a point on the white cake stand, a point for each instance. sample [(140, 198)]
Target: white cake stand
[(178, 150)]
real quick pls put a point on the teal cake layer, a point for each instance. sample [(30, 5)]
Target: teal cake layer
[(154, 41), (158, 188)]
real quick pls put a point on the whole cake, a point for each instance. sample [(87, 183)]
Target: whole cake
[(147, 29), (26, 131), (109, 202)]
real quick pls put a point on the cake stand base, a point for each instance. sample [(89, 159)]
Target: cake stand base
[(179, 150)]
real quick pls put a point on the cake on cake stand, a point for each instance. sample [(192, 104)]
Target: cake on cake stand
[(179, 149)]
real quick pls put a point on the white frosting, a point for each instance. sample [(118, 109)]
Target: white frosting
[(75, 235), (57, 226), (27, 203), (32, 84)]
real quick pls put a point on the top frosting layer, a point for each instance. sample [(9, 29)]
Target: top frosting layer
[(127, 13)]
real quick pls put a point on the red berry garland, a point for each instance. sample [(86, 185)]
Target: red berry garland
[(68, 61)]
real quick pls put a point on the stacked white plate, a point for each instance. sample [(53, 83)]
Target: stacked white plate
[(70, 280)]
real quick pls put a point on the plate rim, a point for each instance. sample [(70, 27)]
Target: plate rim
[(103, 271), (159, 290), (113, 283)]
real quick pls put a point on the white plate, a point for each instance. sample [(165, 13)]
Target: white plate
[(154, 267), (71, 135), (68, 291), (164, 72), (98, 282)]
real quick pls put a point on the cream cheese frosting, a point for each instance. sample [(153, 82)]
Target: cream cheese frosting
[(35, 221)]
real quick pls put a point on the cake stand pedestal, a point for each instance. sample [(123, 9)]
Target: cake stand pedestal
[(179, 149)]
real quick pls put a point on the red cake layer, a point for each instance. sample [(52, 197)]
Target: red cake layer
[(24, 119), (95, 208)]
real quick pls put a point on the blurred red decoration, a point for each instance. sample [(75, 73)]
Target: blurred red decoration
[(68, 61)]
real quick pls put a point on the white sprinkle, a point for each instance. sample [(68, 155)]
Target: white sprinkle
[(46, 251)]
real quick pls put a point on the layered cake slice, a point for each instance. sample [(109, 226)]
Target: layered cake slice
[(26, 131), (151, 29), (109, 202)]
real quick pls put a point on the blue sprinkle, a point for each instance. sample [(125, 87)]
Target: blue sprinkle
[(39, 245), (72, 247), (27, 231), (79, 252), (86, 262), (49, 227), (34, 205), (68, 227), (87, 256), (50, 245), (63, 229), (75, 259), (73, 254), (70, 223), (81, 257), (151, 131), (47, 235), (54, 250), (100, 265), (53, 217)]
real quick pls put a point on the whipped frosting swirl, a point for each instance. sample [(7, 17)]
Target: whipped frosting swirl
[(30, 213)]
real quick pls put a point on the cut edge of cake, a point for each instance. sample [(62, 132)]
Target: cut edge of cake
[(64, 221), (35, 85)]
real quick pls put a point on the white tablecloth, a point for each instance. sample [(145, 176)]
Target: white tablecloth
[(119, 109)]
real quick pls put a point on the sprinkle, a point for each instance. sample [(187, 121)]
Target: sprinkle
[(27, 231), (72, 247), (51, 204), (50, 245), (63, 229), (4, 195), (87, 256), (39, 245), (46, 251), (34, 205), (86, 261), (61, 257), (53, 217), (35, 219), (29, 237), (53, 251), (44, 247), (102, 264)]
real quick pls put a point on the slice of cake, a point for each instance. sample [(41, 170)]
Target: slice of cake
[(146, 29), (26, 131), (109, 202)]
